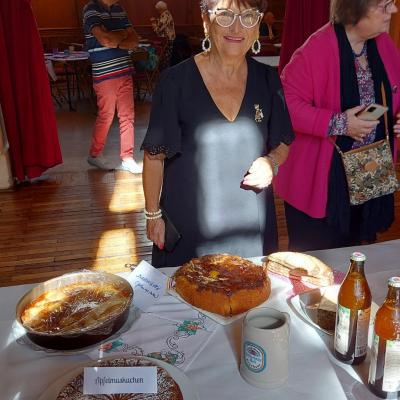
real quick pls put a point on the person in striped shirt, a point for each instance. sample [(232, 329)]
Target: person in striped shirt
[(109, 36)]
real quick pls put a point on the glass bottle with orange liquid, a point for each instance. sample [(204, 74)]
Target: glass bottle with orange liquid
[(384, 370), (353, 314)]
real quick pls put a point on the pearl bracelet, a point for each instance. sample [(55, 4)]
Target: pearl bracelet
[(152, 214), (155, 217)]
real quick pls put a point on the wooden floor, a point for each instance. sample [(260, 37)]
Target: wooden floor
[(81, 217)]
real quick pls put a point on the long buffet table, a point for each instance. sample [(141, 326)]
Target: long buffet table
[(213, 371)]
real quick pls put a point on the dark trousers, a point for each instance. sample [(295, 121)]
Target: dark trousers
[(307, 233)]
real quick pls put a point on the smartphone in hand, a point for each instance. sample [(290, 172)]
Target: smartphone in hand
[(372, 112)]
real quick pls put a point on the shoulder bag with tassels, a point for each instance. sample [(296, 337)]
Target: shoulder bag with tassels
[(369, 170)]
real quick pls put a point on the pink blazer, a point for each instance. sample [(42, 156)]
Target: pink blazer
[(311, 82)]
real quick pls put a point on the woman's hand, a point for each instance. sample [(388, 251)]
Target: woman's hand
[(260, 174), (356, 127), (155, 229), (396, 126)]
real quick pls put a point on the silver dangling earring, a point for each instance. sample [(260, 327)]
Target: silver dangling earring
[(256, 47), (206, 44)]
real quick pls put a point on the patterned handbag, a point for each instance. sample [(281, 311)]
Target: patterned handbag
[(369, 170)]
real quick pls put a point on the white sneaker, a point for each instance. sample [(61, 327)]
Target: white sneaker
[(99, 162), (130, 165)]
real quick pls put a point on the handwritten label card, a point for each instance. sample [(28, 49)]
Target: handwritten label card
[(149, 285), (117, 380)]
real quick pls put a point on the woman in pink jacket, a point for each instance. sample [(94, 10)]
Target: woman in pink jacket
[(334, 75)]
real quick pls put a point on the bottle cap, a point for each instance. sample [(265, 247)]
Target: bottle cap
[(394, 281), (357, 256)]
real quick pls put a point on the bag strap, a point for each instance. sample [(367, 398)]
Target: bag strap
[(384, 101), (337, 147)]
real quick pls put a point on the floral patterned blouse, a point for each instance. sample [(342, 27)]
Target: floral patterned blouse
[(338, 124), (164, 25)]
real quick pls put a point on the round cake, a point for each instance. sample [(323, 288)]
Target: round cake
[(222, 283), (75, 307), (168, 389)]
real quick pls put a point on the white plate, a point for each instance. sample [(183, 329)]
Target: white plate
[(302, 301), (180, 378)]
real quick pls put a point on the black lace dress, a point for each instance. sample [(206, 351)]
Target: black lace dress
[(207, 158)]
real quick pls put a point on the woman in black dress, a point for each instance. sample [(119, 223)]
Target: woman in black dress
[(218, 131)]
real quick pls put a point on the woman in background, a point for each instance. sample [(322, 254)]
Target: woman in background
[(218, 131), (164, 26), (333, 76)]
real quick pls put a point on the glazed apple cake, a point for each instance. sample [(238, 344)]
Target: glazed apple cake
[(222, 283)]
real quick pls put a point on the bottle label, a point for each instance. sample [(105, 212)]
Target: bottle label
[(362, 332), (342, 335), (342, 332), (374, 359), (391, 374), (391, 366)]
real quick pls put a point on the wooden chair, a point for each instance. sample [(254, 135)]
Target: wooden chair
[(160, 45), (57, 85), (140, 75)]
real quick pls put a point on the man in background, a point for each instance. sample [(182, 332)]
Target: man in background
[(267, 28), (109, 35)]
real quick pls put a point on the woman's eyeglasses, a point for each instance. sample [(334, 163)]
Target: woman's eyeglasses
[(226, 17), (386, 7)]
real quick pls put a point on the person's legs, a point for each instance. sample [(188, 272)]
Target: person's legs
[(106, 93), (126, 113), (307, 233)]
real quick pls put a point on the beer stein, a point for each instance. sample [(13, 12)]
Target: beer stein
[(265, 348)]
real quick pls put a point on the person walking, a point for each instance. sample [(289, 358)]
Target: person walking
[(109, 37)]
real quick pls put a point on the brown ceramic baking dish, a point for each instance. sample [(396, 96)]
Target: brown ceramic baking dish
[(75, 310)]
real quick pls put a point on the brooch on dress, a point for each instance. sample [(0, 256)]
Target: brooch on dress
[(258, 117)]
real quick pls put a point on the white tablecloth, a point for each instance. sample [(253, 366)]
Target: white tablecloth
[(214, 373)]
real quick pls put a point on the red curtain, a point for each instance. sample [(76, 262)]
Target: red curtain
[(302, 18), (25, 94)]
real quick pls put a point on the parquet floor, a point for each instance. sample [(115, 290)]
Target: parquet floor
[(81, 217)]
